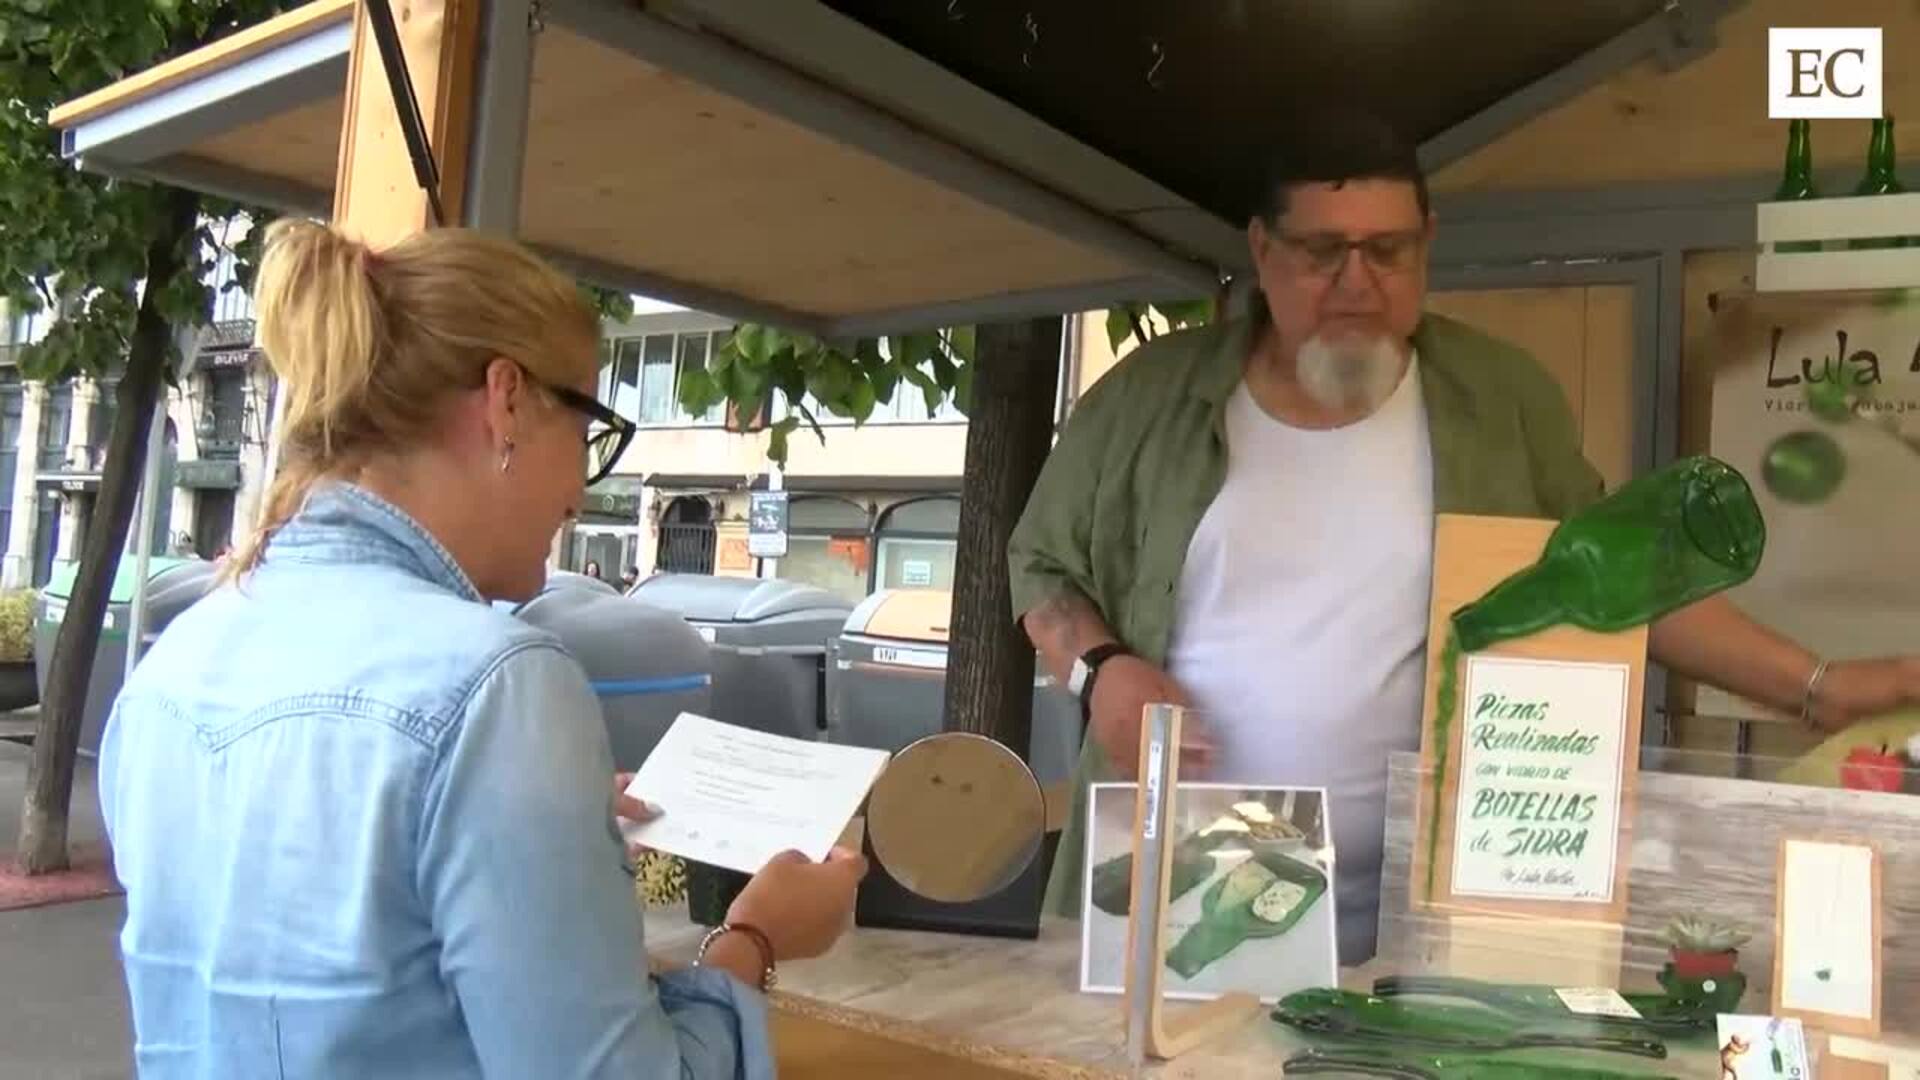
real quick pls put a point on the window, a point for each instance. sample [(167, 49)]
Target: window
[(828, 545), (223, 426), (917, 544), (640, 376), (53, 427), (100, 422)]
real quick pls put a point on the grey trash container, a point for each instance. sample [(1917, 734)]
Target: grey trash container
[(769, 642), (173, 585), (646, 665), (887, 683)]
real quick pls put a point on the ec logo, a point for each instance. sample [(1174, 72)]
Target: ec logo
[(1823, 73)]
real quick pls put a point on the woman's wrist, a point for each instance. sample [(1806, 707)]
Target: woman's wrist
[(742, 951)]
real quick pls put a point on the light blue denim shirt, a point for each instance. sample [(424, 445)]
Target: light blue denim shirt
[(363, 819)]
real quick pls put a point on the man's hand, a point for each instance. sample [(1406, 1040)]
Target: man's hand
[(1122, 691), (1854, 690)]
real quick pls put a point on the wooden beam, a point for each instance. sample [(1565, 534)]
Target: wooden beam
[(205, 61), (376, 196), (1009, 431)]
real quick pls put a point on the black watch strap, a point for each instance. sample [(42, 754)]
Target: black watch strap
[(1094, 659)]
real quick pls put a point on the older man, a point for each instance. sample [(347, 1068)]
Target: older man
[(1240, 517)]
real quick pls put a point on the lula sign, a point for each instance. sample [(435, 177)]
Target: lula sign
[(1541, 762)]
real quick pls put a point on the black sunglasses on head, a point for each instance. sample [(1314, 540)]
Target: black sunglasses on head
[(608, 433)]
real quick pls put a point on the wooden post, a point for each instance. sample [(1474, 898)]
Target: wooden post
[(1009, 432), (376, 196)]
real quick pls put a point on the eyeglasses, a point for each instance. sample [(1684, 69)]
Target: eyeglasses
[(1325, 254), (608, 433)]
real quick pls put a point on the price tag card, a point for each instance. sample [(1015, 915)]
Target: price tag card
[(1596, 1001)]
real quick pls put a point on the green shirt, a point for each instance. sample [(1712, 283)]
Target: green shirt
[(1145, 454)]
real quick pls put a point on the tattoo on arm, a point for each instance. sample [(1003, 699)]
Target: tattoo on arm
[(1065, 626)]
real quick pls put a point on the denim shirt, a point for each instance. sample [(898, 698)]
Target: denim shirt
[(363, 820)]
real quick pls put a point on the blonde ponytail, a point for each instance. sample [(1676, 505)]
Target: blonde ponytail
[(366, 346)]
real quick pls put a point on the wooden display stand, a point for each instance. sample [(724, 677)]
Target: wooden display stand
[(1553, 941), (1150, 1032)]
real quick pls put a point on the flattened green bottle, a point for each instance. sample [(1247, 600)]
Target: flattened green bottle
[(1263, 897), (1665, 540)]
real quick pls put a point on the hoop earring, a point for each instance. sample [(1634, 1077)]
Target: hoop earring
[(506, 457)]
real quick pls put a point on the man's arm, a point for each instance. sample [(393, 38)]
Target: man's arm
[(1063, 627), (1715, 642)]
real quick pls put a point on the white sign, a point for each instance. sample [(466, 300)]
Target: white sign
[(1827, 948), (1541, 760), (1596, 1001), (1824, 73), (735, 798), (767, 516), (916, 573), (920, 658)]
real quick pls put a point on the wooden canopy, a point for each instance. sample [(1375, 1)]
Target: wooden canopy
[(856, 167)]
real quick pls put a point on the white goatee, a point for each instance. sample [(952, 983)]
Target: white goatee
[(1349, 374)]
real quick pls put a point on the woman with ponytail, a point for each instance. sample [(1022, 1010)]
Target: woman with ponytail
[(361, 815)]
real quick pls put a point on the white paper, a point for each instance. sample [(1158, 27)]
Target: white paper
[(1750, 1044), (1826, 939), (1596, 1001), (1542, 745), (735, 798)]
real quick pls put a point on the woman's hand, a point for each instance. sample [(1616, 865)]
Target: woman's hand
[(802, 906), (626, 808)]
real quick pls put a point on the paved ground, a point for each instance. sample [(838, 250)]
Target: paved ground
[(63, 1005)]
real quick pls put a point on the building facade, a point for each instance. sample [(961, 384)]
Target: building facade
[(872, 506), (53, 441)]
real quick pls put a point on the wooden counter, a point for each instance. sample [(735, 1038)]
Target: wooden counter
[(946, 1007)]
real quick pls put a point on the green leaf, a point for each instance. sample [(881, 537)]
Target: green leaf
[(921, 347), (777, 440), (963, 391), (1118, 328), (961, 340), (699, 391), (754, 342), (1186, 313), (944, 369), (862, 399)]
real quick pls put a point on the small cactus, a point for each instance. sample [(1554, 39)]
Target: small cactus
[(1699, 934)]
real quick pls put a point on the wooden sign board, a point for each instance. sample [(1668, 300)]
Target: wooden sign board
[(1826, 963), (1527, 805)]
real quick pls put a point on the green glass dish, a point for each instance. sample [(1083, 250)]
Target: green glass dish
[(1347, 1016), (1446, 1067)]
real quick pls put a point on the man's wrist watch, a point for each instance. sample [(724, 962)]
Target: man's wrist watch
[(1086, 668), (768, 975)]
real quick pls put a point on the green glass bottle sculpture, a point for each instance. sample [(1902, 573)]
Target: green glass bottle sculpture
[(1347, 1017), (1406, 1066), (1666, 1015), (1677, 535), (1670, 538), (1262, 897)]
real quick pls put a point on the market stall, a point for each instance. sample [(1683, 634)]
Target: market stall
[(853, 168)]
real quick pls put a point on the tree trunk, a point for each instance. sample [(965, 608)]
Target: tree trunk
[(43, 821), (1009, 433)]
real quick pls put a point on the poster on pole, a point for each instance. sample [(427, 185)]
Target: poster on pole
[(767, 524)]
